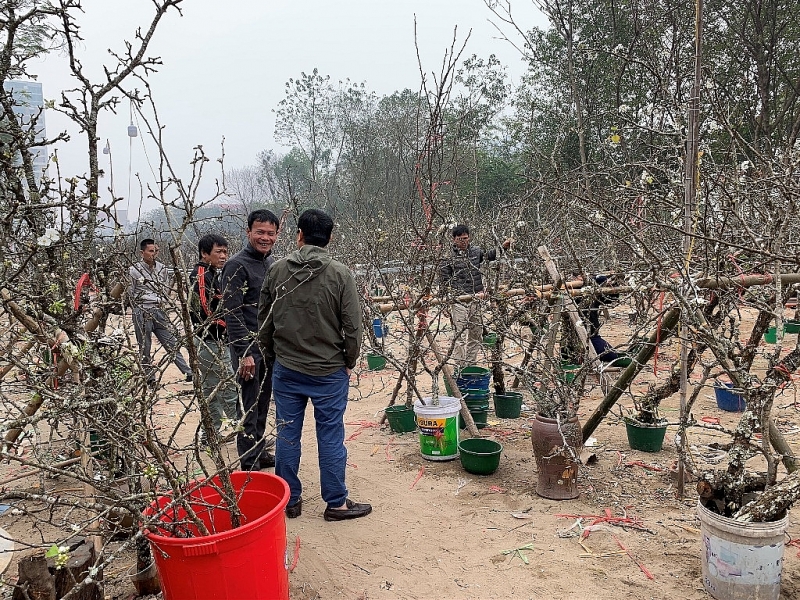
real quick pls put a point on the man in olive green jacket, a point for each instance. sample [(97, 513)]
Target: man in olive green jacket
[(310, 322)]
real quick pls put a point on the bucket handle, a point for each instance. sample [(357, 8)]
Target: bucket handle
[(200, 549)]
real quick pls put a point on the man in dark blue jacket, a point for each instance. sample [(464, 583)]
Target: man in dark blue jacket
[(242, 279)]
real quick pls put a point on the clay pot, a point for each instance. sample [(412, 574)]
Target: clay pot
[(558, 470)]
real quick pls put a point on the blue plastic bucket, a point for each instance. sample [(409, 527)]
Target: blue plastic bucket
[(379, 327), (473, 378), (727, 399)]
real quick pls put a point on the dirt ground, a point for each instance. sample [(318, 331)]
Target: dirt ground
[(437, 531)]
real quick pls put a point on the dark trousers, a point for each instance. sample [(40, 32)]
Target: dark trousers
[(252, 412), (603, 349)]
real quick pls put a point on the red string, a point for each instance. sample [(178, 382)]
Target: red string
[(296, 554), (741, 274), (419, 476)]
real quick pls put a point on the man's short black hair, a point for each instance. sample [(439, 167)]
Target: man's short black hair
[(262, 215), (316, 226), (206, 243), (146, 242), (460, 230)]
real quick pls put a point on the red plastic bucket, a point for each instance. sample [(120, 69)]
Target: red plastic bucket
[(230, 564)]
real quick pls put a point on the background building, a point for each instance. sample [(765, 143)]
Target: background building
[(28, 106)]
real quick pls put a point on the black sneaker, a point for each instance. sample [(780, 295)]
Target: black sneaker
[(295, 510), (267, 461), (189, 378)]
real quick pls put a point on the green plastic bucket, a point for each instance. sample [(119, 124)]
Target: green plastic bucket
[(438, 428), (490, 340), (479, 416), (791, 326), (474, 372), (569, 372), (476, 392), (401, 418), (476, 396), (508, 405), (480, 404), (621, 362), (645, 437), (375, 362), (480, 456), (771, 336)]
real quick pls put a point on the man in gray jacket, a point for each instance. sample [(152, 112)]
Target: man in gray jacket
[(148, 292), (310, 317)]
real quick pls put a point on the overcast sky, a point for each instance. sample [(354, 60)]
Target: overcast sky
[(226, 63)]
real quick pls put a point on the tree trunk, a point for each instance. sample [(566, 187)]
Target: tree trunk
[(773, 503)]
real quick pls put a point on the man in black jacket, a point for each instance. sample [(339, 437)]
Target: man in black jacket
[(242, 279), (211, 338), (460, 275)]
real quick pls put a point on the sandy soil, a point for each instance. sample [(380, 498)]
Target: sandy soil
[(444, 534), (437, 531)]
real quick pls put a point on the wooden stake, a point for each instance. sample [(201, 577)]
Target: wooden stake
[(448, 375)]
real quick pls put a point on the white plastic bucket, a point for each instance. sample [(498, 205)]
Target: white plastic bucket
[(438, 428), (741, 561)]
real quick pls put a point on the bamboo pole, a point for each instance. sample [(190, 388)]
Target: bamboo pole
[(668, 325), (515, 292), (708, 283), (574, 314), (690, 180)]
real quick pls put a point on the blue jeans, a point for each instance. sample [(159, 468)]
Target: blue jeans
[(328, 394)]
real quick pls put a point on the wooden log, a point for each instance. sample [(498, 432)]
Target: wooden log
[(34, 581), (82, 557)]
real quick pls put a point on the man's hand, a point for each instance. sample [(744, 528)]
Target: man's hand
[(247, 368), (507, 243), (348, 371)]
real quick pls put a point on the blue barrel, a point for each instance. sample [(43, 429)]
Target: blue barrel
[(379, 327)]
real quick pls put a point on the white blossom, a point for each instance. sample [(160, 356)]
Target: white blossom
[(624, 108), (50, 237)]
